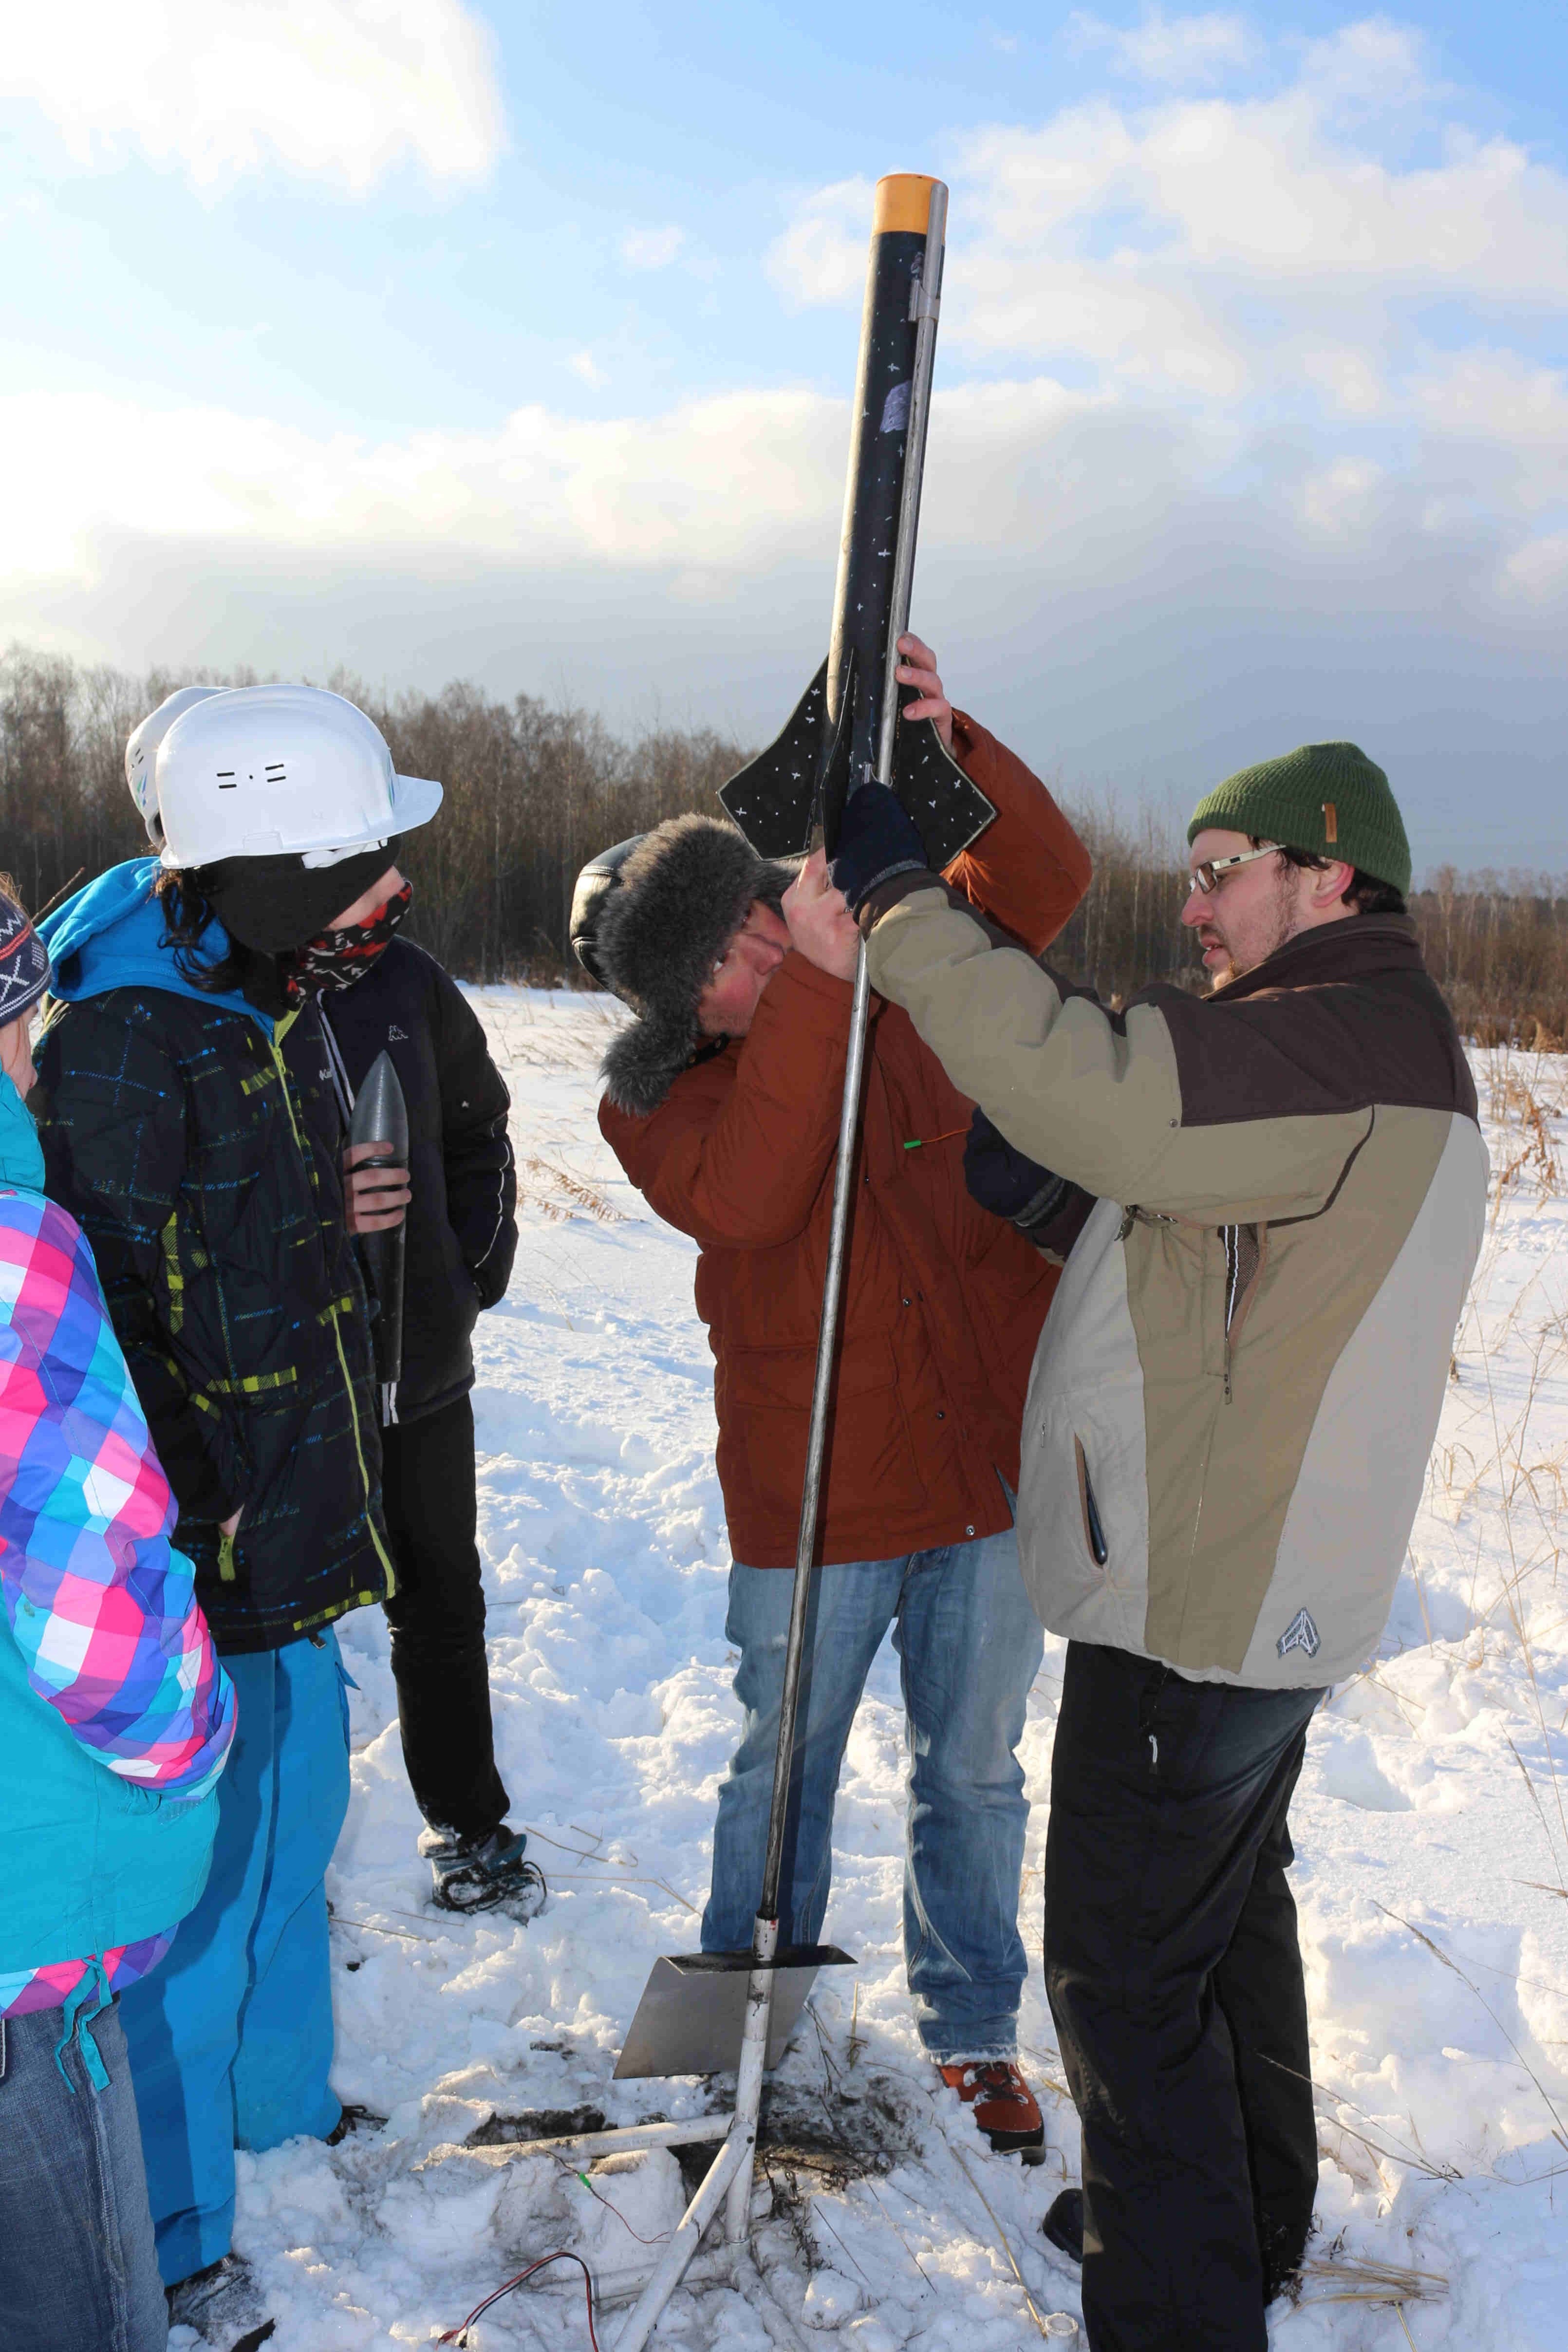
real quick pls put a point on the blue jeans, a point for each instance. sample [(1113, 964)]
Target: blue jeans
[(77, 2265), (231, 2039), (969, 1645)]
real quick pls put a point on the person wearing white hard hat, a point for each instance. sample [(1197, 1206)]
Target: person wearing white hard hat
[(141, 753), (190, 1124)]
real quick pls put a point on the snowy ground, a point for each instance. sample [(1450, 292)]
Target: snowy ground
[(1431, 1826)]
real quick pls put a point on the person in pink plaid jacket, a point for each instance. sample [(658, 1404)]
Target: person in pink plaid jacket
[(116, 1718)]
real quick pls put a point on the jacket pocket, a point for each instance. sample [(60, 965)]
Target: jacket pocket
[(1089, 1508), (1080, 1515), (1246, 1259)]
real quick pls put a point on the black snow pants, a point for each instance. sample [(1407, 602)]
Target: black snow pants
[(1174, 1978), (438, 1620)]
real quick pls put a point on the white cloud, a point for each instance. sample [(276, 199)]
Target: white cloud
[(737, 477), (1345, 499), (1178, 50), (1259, 192), (342, 89), (1219, 256), (651, 248), (1229, 263), (1352, 383), (583, 365), (821, 255)]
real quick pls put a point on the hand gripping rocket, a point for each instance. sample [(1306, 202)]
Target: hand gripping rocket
[(845, 731), (380, 1115)]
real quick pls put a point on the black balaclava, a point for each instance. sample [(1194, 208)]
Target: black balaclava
[(275, 903)]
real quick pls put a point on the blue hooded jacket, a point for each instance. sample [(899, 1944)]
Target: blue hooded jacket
[(112, 935), (198, 1144)]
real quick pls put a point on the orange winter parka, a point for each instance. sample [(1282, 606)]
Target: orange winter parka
[(943, 1302)]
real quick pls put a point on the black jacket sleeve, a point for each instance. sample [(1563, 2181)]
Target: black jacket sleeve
[(112, 1120), (481, 1175)]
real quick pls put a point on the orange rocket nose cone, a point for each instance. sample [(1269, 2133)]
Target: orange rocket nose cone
[(902, 202)]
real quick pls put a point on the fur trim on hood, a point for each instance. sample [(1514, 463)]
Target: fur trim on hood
[(680, 899)]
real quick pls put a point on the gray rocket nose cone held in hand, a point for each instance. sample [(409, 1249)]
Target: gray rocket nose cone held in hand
[(380, 1115)]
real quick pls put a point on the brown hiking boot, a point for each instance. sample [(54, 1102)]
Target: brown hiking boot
[(1001, 2102)]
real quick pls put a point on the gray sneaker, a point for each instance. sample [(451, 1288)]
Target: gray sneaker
[(224, 2305), (487, 1874)]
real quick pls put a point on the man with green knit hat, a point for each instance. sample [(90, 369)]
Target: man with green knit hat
[(1297, 821), (1273, 1196)]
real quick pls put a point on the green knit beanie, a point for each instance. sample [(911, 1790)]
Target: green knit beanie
[(1329, 798)]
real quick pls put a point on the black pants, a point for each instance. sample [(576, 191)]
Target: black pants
[(1174, 1976), (437, 1619)]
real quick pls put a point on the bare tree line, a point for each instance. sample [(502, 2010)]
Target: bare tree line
[(534, 789)]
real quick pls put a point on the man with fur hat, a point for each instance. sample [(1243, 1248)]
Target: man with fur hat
[(723, 1106)]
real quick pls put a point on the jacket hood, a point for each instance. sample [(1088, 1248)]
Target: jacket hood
[(112, 935)]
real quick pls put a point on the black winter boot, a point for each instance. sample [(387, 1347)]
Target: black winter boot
[(486, 1874), (224, 2305), (1063, 2225)]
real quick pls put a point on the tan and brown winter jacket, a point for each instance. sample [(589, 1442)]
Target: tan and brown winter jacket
[(1235, 1398)]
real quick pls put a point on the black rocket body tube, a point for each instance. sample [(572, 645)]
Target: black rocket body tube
[(845, 732), (380, 1115)]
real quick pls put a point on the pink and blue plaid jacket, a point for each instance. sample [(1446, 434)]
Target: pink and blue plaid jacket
[(100, 1604)]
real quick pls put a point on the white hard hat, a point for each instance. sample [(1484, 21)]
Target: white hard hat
[(141, 751), (282, 771)]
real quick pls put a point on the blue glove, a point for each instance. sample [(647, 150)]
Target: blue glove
[(1004, 1180), (876, 841)]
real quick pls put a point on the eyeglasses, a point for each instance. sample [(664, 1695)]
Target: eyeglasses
[(1207, 877)]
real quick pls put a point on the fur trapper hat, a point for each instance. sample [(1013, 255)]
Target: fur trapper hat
[(675, 905)]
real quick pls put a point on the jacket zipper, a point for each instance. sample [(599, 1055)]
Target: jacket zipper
[(1245, 1254), (281, 1030), (334, 1313)]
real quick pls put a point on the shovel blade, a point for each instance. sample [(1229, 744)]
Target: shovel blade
[(693, 2009)]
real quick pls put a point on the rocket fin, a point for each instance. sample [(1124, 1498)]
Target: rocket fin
[(949, 810), (779, 797), (772, 798)]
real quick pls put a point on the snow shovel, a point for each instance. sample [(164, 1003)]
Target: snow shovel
[(844, 737)]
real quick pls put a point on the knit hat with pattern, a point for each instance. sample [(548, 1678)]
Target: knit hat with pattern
[(1327, 798), (23, 963)]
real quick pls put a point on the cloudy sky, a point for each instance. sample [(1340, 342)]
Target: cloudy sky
[(515, 342)]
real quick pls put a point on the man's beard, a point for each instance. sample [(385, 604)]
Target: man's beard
[(1285, 928)]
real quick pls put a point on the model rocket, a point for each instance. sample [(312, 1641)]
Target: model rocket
[(380, 1115), (845, 731)]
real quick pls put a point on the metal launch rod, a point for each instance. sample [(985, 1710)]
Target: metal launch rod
[(924, 307), (893, 400)]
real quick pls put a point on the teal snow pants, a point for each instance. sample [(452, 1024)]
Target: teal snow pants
[(231, 2039)]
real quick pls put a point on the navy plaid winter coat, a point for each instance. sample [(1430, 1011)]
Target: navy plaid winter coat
[(198, 1145)]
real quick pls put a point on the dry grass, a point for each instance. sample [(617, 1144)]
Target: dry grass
[(1525, 1095), (1335, 2279), (558, 1194)]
